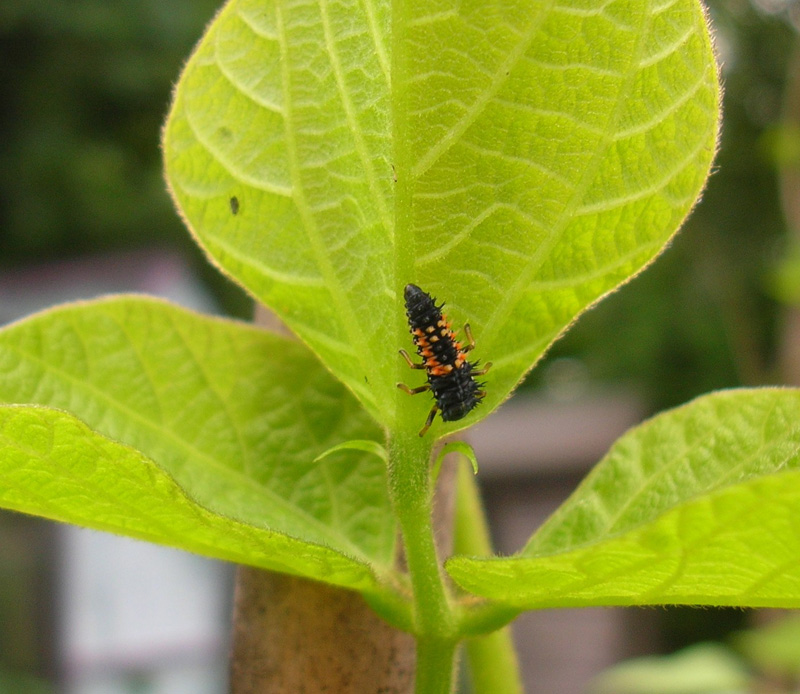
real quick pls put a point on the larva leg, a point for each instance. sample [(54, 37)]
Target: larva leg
[(429, 420), (483, 370), (470, 340), (413, 391), (410, 363)]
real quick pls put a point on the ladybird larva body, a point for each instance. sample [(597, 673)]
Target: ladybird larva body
[(451, 377)]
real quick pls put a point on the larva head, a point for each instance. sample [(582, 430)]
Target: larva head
[(415, 297)]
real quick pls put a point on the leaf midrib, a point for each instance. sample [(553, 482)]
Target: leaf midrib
[(348, 320), (427, 160), (352, 121), (582, 584)]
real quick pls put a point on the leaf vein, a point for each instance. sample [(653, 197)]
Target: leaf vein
[(367, 160), (500, 77)]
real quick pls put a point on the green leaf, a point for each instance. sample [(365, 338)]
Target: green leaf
[(460, 447), (54, 466), (696, 506), (519, 160), (233, 414), (490, 659), (285, 106), (367, 446)]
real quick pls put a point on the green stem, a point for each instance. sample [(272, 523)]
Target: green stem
[(434, 618), (409, 454), (493, 665), (435, 666), (491, 659)]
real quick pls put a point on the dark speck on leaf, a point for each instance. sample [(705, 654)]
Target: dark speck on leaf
[(235, 205)]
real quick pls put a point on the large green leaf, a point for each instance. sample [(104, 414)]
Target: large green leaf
[(285, 106), (517, 159), (231, 415), (700, 505), (54, 466)]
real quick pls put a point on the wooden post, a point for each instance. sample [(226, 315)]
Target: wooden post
[(295, 636), (292, 635)]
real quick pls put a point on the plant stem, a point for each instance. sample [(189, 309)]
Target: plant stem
[(491, 659), (435, 666), (434, 619), (492, 664)]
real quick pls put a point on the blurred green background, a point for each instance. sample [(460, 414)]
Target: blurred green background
[(84, 88)]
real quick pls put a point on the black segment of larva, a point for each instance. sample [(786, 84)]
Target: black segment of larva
[(451, 377)]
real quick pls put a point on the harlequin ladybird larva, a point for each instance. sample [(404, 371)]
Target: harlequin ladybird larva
[(451, 378)]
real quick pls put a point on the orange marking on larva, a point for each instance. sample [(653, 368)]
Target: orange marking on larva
[(450, 374)]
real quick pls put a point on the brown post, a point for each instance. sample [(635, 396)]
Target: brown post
[(295, 636)]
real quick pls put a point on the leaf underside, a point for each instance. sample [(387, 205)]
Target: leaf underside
[(54, 466), (697, 506), (518, 160), (232, 416)]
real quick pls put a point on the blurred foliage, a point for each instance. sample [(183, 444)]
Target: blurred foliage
[(763, 659), (773, 650), (84, 87), (705, 668), (15, 683)]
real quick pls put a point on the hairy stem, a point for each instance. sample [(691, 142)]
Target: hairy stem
[(434, 618), (491, 659)]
